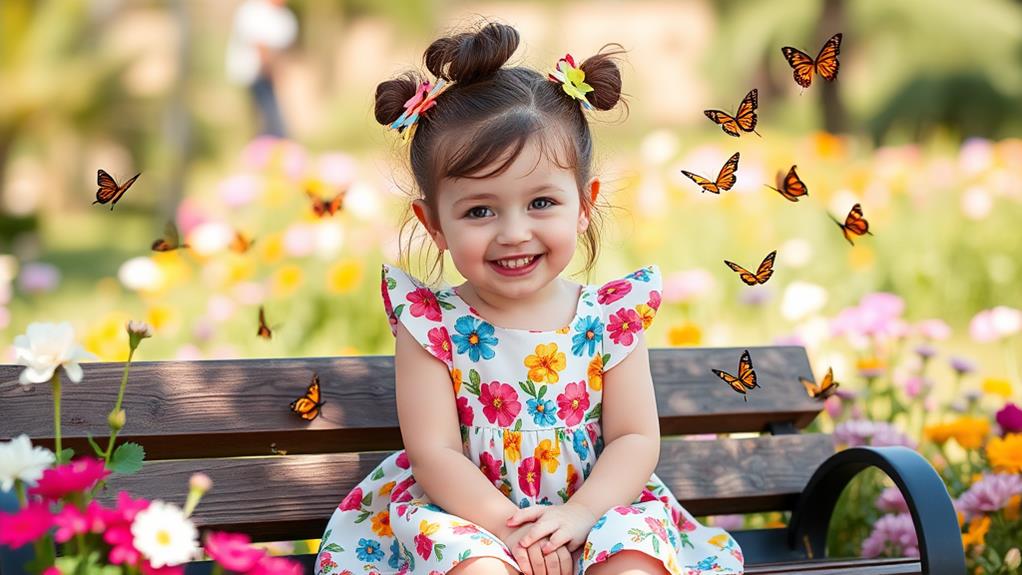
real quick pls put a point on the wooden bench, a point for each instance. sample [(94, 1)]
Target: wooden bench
[(231, 420)]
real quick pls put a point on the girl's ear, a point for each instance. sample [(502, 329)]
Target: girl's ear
[(593, 189), (421, 210)]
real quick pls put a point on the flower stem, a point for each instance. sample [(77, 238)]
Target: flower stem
[(117, 405), (19, 488), (55, 381)]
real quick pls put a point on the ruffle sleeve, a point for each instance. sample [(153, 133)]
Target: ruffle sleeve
[(417, 307), (629, 306)]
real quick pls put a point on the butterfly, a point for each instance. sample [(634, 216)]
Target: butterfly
[(308, 405), (746, 376), (743, 121), (791, 186), (240, 244), (763, 272), (825, 64), (108, 190), (171, 240), (264, 329), (725, 179), (854, 224), (825, 389), (323, 207)]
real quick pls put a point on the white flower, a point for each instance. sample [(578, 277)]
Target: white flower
[(44, 348), (20, 460), (164, 535), (802, 299)]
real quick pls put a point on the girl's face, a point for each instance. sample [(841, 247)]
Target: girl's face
[(530, 214)]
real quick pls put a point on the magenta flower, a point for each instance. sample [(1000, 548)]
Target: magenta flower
[(989, 494), (465, 412), (352, 501), (529, 474), (118, 528), (148, 569), (623, 326), (500, 403), (490, 466), (74, 477), (573, 403), (71, 521), (1009, 418), (893, 536), (440, 343), (424, 303), (423, 545), (654, 300), (269, 565), (233, 551), (402, 460), (25, 526), (613, 291), (892, 501)]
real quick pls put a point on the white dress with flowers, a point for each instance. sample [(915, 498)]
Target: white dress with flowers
[(529, 406)]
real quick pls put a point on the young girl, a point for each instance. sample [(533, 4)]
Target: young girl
[(525, 400)]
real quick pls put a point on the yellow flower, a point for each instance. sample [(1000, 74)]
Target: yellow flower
[(426, 528), (344, 276), (938, 433), (239, 270), (646, 313), (1005, 453), (386, 488), (687, 333), (513, 445), (970, 432), (271, 248), (977, 533), (108, 339), (1011, 508), (827, 145), (870, 366), (547, 453), (159, 316), (381, 524), (997, 386), (595, 373), (564, 330), (861, 257), (719, 540), (456, 378), (544, 365), (287, 279)]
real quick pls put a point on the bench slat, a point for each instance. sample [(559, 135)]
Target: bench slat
[(292, 497), (226, 408)]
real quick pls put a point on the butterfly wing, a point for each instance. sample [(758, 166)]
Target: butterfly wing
[(746, 117), (726, 178), (802, 65), (308, 405), (766, 268), (854, 221), (811, 388), (793, 187), (827, 64), (730, 380), (319, 207), (334, 205), (746, 375), (707, 185), (264, 330), (240, 244), (748, 277), (727, 122)]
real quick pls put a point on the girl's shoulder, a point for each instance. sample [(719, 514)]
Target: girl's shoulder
[(629, 305)]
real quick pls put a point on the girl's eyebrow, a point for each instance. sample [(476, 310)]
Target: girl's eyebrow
[(490, 196)]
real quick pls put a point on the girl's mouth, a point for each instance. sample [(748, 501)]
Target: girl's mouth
[(516, 266)]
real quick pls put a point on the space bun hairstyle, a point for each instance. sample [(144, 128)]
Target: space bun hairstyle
[(484, 119)]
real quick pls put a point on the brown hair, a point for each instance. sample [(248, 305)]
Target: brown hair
[(483, 121)]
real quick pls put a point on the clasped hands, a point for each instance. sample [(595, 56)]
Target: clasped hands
[(544, 539)]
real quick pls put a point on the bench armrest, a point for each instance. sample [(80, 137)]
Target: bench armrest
[(934, 517)]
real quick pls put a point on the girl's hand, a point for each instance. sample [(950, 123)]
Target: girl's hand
[(567, 525), (533, 561)]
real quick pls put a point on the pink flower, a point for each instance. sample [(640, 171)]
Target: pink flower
[(991, 493), (465, 413), (269, 565), (627, 510), (440, 343), (687, 285), (654, 300), (573, 403), (855, 432), (75, 477), (1009, 418), (613, 291), (657, 528), (402, 460), (233, 551), (26, 525), (490, 466), (424, 303), (464, 529), (623, 325), (71, 521), (423, 545), (933, 329), (400, 492), (732, 522), (529, 476), (500, 403), (894, 536), (994, 324), (148, 569), (118, 528), (352, 501), (892, 501)]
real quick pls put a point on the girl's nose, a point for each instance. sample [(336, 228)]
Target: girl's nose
[(514, 230)]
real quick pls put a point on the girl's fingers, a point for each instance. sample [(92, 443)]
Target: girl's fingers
[(540, 530), (524, 515), (559, 538)]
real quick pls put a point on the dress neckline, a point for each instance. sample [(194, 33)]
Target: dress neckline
[(472, 311)]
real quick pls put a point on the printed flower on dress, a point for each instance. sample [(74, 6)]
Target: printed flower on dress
[(613, 291), (623, 326), (475, 337), (595, 373), (542, 411), (424, 304), (512, 446), (465, 413), (529, 474), (490, 466), (423, 542), (352, 501), (545, 364), (548, 453), (369, 550), (580, 443), (573, 403), (646, 314), (500, 403), (381, 524), (440, 343), (588, 333)]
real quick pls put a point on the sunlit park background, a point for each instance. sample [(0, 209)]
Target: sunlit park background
[(919, 321)]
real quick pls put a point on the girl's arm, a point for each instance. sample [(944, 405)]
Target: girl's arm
[(631, 433), (429, 427)]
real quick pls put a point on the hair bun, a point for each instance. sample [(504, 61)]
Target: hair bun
[(471, 56), (391, 96), (604, 75)]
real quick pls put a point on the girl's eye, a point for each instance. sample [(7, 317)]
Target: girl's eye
[(548, 201), (477, 212)]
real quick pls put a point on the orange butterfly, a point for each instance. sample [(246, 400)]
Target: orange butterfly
[(825, 389), (108, 190), (264, 329), (825, 64), (323, 208), (171, 239), (308, 405), (791, 186), (725, 179), (763, 273), (854, 224), (240, 244), (743, 121), (746, 376)]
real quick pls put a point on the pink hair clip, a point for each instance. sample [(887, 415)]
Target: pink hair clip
[(424, 99)]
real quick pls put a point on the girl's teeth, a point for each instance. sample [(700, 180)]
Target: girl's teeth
[(516, 263)]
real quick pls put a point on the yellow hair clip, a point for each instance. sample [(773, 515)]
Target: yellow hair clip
[(572, 80)]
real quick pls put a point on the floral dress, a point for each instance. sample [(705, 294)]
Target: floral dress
[(529, 406)]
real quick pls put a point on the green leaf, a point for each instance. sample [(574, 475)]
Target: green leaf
[(368, 498), (100, 452), (595, 412), (439, 550), (66, 455), (542, 392), (127, 458), (333, 548), (377, 474), (656, 544), (473, 376), (518, 425), (397, 311)]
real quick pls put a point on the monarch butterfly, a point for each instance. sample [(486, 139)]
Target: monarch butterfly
[(763, 273), (308, 405), (791, 186), (746, 375), (743, 121), (108, 190), (854, 224), (825, 64), (323, 208), (240, 244), (264, 329), (825, 389), (725, 179), (171, 239)]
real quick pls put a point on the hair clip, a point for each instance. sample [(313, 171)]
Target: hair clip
[(424, 99), (572, 79)]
